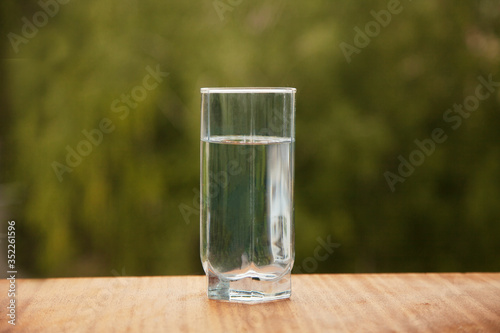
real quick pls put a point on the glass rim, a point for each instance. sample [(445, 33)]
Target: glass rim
[(247, 90)]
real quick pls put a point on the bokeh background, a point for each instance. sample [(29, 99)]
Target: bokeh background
[(129, 206)]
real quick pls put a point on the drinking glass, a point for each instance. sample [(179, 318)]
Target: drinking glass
[(247, 207)]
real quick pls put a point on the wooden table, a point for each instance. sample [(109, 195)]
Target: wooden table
[(320, 303)]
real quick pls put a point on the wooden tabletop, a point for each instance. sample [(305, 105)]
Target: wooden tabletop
[(320, 303)]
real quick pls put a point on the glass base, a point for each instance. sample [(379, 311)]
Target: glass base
[(249, 289)]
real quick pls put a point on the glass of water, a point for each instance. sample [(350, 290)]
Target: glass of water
[(247, 208)]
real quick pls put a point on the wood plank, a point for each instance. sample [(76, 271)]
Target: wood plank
[(451, 302)]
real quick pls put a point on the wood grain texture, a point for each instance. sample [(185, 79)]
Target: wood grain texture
[(320, 303)]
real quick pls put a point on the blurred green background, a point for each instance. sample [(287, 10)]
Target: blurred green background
[(130, 204)]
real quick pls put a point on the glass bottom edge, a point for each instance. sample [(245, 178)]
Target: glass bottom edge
[(249, 290), (245, 296)]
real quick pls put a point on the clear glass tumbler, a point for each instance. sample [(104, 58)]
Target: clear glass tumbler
[(247, 208)]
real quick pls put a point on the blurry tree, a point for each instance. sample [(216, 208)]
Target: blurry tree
[(119, 205)]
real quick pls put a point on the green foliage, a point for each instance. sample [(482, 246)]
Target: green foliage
[(119, 207)]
